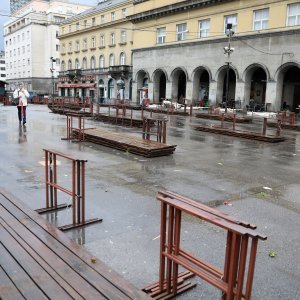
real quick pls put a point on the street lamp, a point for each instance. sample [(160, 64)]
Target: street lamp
[(53, 60), (228, 50)]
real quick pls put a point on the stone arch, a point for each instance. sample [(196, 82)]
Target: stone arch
[(111, 88), (142, 79), (256, 77), (201, 78), (221, 69), (101, 91), (288, 86), (221, 77), (173, 73), (252, 67), (179, 78), (159, 79)]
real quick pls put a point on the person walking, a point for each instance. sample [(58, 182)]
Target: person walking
[(22, 95)]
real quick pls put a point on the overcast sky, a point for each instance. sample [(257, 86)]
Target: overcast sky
[(5, 11)]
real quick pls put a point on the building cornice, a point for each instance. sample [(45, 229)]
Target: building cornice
[(93, 28), (221, 40), (95, 11), (172, 9)]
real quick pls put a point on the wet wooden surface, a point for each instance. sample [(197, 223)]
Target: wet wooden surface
[(124, 142), (227, 117), (38, 261), (241, 134)]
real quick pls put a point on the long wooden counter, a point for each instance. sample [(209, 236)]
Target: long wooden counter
[(38, 261)]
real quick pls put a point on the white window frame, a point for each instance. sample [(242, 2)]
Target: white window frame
[(84, 63), (112, 38), (93, 62), (102, 40), (102, 19), (76, 63), (181, 31), (161, 35), (123, 36), (84, 45), (77, 46), (294, 16), (229, 20), (111, 60), (259, 22), (93, 42), (112, 16), (122, 58), (123, 12), (101, 62), (204, 28)]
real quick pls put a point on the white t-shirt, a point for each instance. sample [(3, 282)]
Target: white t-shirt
[(22, 96)]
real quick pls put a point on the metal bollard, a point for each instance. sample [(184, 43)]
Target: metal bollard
[(264, 130), (222, 120), (234, 120)]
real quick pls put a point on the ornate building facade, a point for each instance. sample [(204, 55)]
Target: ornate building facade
[(96, 53), (179, 50), (31, 45)]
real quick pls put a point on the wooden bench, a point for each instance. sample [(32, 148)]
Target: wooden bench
[(38, 261), (231, 279)]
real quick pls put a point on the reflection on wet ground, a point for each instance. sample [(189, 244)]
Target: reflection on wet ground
[(260, 180)]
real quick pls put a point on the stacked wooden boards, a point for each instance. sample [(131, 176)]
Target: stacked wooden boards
[(167, 111), (285, 126), (126, 143), (228, 118), (239, 133), (38, 261), (120, 120)]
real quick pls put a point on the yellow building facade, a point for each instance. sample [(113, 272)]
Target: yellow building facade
[(95, 52), (178, 50)]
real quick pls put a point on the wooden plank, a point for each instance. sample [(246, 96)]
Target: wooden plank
[(197, 212), (207, 209), (73, 249), (125, 139), (227, 118), (123, 142), (95, 284), (18, 276), (52, 264), (240, 134), (8, 290)]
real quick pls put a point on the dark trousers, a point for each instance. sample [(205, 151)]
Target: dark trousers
[(20, 114)]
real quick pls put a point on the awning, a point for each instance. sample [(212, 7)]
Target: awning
[(76, 85)]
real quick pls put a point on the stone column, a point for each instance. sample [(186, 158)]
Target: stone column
[(189, 92), (135, 99), (240, 92), (169, 90), (212, 92), (150, 91), (273, 95)]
